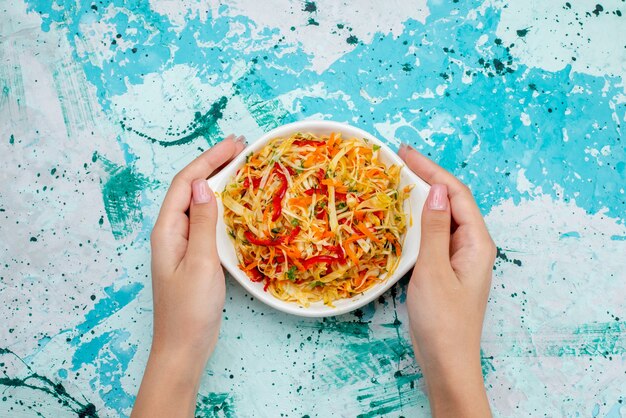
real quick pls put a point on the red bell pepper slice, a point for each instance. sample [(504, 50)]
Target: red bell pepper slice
[(292, 235), (272, 242), (255, 275), (319, 259), (255, 183), (253, 239)]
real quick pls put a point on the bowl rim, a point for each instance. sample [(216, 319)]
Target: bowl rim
[(291, 307)]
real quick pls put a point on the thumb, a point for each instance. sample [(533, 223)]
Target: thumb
[(202, 219), (435, 242)]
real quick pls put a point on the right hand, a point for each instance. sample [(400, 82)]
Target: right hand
[(448, 291)]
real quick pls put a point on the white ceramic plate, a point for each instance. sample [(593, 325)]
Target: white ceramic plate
[(413, 204)]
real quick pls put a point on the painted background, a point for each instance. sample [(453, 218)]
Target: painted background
[(102, 103)]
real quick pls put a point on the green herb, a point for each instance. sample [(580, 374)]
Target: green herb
[(295, 222), (248, 157), (231, 233), (317, 284), (291, 274), (341, 205), (275, 230), (376, 147)]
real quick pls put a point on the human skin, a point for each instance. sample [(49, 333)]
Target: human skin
[(448, 291), (446, 299), (188, 288)]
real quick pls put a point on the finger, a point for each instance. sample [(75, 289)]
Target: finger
[(202, 220), (462, 204), (178, 196), (435, 240)]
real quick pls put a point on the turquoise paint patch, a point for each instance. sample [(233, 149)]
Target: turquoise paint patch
[(618, 237), (571, 234), (616, 410), (112, 353), (505, 143), (106, 307), (595, 411)]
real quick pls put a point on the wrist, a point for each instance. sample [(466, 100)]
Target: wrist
[(455, 387), (170, 383), (180, 367)]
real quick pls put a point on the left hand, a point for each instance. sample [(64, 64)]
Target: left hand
[(188, 288)]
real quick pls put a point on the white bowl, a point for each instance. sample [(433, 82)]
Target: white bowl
[(410, 248)]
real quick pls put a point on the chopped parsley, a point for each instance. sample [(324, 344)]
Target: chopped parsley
[(291, 274), (376, 147), (317, 283)]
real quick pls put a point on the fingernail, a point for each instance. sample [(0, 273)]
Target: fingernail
[(241, 139), (438, 197), (201, 192), (403, 149), (231, 136)]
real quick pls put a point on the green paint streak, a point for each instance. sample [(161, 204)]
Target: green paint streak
[(348, 328), (361, 361), (596, 339), (215, 405), (121, 194), (203, 125), (39, 383), (391, 396), (11, 139), (486, 364)]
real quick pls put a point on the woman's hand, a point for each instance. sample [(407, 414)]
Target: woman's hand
[(448, 292), (187, 286)]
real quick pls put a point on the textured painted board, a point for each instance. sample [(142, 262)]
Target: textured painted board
[(102, 103)]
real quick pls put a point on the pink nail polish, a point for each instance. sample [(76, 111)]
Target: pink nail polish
[(438, 197), (201, 192), (402, 150)]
